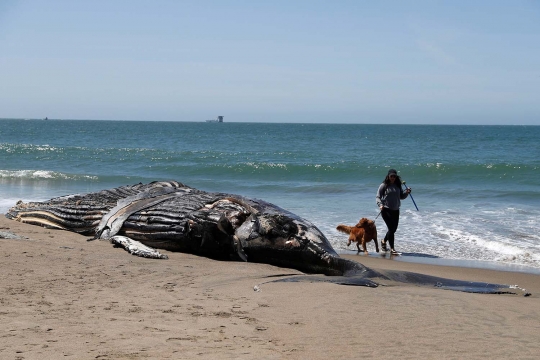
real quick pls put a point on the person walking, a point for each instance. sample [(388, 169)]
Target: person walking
[(389, 196)]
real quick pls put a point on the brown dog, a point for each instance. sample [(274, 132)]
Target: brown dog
[(361, 233)]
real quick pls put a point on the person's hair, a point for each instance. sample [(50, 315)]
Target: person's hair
[(397, 181)]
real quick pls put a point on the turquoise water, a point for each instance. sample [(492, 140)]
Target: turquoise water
[(477, 187)]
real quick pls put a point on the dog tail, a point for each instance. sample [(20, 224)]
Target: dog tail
[(344, 228)]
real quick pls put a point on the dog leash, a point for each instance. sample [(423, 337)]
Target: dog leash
[(410, 195)]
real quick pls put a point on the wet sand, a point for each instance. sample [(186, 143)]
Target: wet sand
[(66, 297)]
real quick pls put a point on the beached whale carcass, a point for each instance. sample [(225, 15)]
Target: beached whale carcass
[(172, 216)]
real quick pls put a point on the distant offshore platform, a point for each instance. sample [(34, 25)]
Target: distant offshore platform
[(218, 119)]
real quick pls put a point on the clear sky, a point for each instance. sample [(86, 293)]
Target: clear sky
[(334, 61)]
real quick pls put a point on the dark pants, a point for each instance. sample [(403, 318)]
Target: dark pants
[(391, 219)]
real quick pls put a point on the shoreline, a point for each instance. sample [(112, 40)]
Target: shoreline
[(438, 261), (65, 296)]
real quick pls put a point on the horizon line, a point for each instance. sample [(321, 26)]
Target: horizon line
[(270, 122)]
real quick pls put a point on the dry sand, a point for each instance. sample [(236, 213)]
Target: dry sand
[(63, 297)]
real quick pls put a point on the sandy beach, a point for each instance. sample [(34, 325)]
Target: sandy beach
[(66, 297)]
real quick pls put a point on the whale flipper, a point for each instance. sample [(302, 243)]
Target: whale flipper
[(136, 247)]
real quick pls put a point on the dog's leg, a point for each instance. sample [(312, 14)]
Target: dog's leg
[(376, 244), (364, 244)]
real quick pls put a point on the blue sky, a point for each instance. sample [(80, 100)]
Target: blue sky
[(436, 62)]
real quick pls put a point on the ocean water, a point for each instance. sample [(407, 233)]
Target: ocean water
[(477, 187)]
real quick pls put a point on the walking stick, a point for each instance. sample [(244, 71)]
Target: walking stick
[(414, 202)]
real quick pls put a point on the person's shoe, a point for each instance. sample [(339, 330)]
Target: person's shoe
[(394, 252), (383, 246)]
